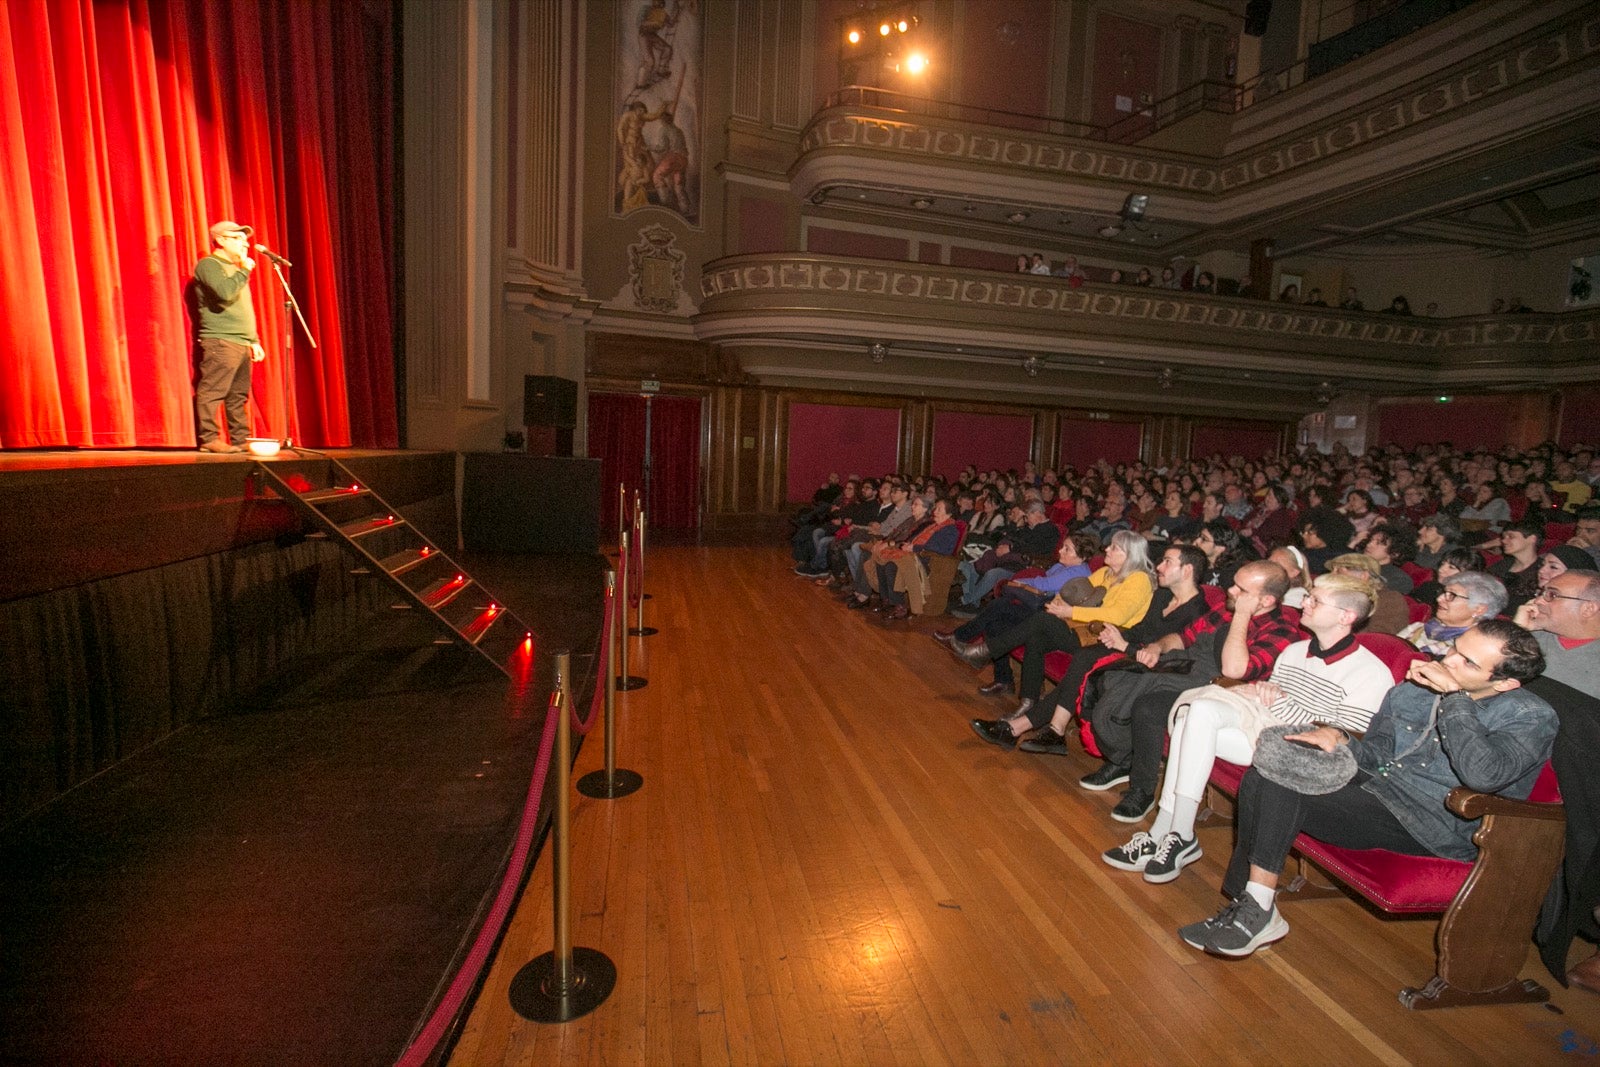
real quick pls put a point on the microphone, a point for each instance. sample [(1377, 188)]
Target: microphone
[(270, 254)]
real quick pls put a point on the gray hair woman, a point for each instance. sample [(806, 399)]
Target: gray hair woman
[(1468, 598)]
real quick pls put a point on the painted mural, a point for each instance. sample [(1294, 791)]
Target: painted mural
[(657, 90)]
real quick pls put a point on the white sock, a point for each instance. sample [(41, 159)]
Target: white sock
[(1262, 895), (1185, 811), (1162, 824)]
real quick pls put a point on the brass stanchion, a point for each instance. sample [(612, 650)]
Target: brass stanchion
[(625, 681), (610, 783), (622, 511), (640, 629), (566, 982)]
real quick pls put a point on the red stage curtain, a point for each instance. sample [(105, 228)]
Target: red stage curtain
[(126, 128), (616, 438), (674, 463)]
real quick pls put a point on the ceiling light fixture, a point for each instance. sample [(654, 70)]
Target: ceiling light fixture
[(878, 350), (1017, 216), (1324, 394), (1031, 365), (922, 203), (1111, 229), (1166, 377)]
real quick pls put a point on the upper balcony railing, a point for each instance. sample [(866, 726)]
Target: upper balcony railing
[(894, 100)]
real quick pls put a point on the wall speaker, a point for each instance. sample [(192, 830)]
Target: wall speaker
[(549, 401)]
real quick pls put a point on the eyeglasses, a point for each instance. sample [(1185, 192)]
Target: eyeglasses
[(1549, 593), (1451, 594)]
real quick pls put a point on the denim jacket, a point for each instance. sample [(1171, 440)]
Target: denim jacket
[(1497, 745)]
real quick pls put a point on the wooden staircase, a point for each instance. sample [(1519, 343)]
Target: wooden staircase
[(425, 578)]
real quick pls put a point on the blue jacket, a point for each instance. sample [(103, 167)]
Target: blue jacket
[(1497, 745)]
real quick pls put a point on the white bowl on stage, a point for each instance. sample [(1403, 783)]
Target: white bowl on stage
[(263, 446)]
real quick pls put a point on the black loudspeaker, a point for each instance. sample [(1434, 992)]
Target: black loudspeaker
[(549, 401), (1256, 14)]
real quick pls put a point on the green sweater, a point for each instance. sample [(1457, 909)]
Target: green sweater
[(224, 298)]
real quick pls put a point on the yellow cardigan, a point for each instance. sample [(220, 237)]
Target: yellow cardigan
[(1126, 599)]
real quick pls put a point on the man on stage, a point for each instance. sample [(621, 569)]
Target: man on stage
[(229, 343)]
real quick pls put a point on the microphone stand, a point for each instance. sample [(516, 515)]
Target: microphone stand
[(290, 304)]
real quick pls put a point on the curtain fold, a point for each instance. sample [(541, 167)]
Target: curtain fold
[(126, 128), (674, 463), (616, 438)]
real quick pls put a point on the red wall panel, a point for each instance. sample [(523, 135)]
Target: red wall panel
[(983, 258), (833, 438), (1008, 77), (1127, 62), (998, 442), (850, 243), (1475, 421), (1083, 441), (1235, 439), (1580, 415), (761, 225)]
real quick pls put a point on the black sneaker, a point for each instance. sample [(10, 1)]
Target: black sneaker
[(1172, 854), (1133, 856), (1107, 776), (994, 731), (1134, 806), (1046, 742)]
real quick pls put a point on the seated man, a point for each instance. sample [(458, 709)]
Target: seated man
[(1565, 620), (1436, 535), (1328, 679), (1130, 719), (1392, 614), (1324, 533), (1463, 720), (1519, 569), (1587, 534)]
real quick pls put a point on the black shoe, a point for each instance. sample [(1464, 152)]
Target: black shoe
[(995, 731), (1107, 776), (976, 653), (944, 637), (1134, 806), (1024, 706), (994, 689), (808, 572), (1046, 742), (963, 611), (856, 603)]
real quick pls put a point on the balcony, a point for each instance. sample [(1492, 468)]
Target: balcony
[(811, 317), (1393, 137)]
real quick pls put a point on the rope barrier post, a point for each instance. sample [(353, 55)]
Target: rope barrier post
[(610, 783), (622, 511), (640, 629), (625, 681), (567, 982)]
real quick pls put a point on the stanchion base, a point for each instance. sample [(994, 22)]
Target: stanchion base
[(619, 783), (643, 631), (594, 977), (630, 681), (646, 596)]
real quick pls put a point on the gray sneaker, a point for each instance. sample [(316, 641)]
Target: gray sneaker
[(1170, 856), (1132, 856), (1246, 929), (1195, 935)]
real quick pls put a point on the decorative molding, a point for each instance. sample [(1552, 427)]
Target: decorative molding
[(1559, 48)]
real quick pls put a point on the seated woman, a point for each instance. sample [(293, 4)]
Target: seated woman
[(1488, 510), (1128, 591), (1451, 563), (1466, 598), (1175, 605), (1293, 562)]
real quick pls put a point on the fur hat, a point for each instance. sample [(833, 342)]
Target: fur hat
[(1302, 767)]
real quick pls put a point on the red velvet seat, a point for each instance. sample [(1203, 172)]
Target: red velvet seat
[(1558, 533), (1417, 611), (1417, 573)]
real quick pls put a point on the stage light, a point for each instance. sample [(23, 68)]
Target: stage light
[(916, 63), (884, 29), (1134, 207), (854, 36), (902, 25)]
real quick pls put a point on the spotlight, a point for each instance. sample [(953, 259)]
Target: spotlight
[(1134, 207), (854, 36), (884, 29), (902, 25), (916, 63)]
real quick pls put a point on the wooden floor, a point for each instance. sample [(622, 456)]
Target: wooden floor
[(826, 866)]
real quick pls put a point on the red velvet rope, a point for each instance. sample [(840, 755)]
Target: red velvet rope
[(432, 1032)]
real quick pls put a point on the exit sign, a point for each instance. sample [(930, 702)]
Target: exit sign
[(649, 385)]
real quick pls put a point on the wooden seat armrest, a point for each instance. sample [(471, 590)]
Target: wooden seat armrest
[(1471, 804)]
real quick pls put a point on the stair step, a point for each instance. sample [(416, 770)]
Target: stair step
[(338, 492), (408, 559), (476, 630), (442, 592), (363, 527)]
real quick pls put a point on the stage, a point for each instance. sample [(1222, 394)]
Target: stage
[(248, 815)]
